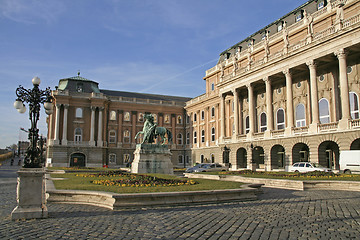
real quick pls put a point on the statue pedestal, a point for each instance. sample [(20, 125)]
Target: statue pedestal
[(152, 158), (31, 197)]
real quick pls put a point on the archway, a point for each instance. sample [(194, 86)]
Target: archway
[(241, 158), (329, 155), (277, 157), (355, 145), (226, 158), (300, 153), (258, 157), (77, 160)]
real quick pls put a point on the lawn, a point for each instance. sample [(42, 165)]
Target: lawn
[(317, 175), (121, 182)]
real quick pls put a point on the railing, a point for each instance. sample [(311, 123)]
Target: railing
[(351, 21), (355, 123), (328, 126), (259, 135), (324, 33), (300, 130), (277, 133), (197, 99)]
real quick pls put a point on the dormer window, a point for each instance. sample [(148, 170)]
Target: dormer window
[(212, 86), (79, 87), (280, 26), (299, 16), (321, 4), (227, 55)]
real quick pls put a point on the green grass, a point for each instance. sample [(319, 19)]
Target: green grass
[(292, 176), (73, 182)]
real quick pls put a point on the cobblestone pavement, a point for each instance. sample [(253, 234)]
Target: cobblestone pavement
[(278, 214)]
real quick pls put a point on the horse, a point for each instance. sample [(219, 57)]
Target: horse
[(160, 132)]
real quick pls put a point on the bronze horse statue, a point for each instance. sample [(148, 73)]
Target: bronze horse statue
[(151, 131)]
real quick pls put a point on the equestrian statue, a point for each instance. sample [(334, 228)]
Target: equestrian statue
[(151, 132)]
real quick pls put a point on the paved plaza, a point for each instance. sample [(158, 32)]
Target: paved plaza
[(278, 214)]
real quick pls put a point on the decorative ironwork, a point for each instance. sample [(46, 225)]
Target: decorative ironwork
[(34, 97)]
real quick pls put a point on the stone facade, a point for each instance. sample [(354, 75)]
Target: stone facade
[(287, 93), (93, 127)]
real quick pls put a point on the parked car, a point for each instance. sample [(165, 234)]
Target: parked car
[(350, 161), (211, 167), (308, 167), (192, 169)]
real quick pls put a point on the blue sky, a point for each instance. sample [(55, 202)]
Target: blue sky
[(152, 46)]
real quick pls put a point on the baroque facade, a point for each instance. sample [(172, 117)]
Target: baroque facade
[(287, 93), (93, 127)]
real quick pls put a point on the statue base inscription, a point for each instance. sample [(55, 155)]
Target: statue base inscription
[(152, 158)]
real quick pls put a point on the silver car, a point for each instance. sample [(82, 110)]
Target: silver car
[(211, 167), (308, 167), (192, 169)]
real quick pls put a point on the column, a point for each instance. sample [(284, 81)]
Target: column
[(92, 126), (57, 124), (289, 101), (313, 95), (269, 108), (344, 89), (207, 129), (241, 117), (65, 127), (198, 128), (251, 108), (100, 127), (236, 113), (222, 117), (120, 123), (133, 120)]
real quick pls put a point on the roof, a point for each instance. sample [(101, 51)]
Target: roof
[(144, 95), (78, 78)]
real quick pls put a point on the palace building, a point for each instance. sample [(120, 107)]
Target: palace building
[(287, 93), (94, 127)]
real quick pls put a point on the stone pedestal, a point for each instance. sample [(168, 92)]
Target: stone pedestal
[(31, 197), (152, 158)]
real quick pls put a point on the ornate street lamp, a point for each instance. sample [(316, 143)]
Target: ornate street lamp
[(34, 97)]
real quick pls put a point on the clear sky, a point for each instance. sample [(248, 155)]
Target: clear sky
[(151, 46)]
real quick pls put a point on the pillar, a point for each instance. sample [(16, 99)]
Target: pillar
[(251, 109), (314, 96), (222, 117), (236, 113), (65, 128), (269, 108), (92, 127), (289, 101), (100, 127), (57, 124)]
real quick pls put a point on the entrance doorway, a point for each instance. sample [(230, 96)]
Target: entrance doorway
[(77, 160)]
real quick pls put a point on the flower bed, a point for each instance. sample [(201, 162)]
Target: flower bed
[(124, 179)]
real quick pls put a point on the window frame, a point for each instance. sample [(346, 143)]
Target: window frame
[(78, 136), (322, 117), (112, 138), (300, 122), (353, 106), (280, 125)]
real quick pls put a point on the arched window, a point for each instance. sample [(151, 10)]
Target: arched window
[(213, 112), (195, 117), (79, 113), (212, 158), (112, 158), (187, 138), (324, 113), (179, 119), (181, 159), (126, 116), (202, 115), (213, 134), (195, 137), (263, 122), (280, 119), (112, 136), (202, 158), (300, 115), (354, 105), (141, 117), (113, 115), (247, 124), (179, 139), (126, 136), (202, 136), (78, 135)]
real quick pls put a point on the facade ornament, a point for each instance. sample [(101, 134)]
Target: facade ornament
[(235, 65), (311, 63), (341, 53), (266, 46), (285, 38), (339, 16), (308, 20)]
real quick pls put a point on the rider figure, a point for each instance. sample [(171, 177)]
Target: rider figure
[(149, 129)]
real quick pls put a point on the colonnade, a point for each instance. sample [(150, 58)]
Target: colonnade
[(314, 113)]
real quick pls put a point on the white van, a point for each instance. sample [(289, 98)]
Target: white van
[(350, 161)]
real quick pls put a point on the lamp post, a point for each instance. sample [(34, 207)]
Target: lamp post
[(34, 97)]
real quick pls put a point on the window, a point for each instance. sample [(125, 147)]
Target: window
[(298, 85), (141, 117), (187, 138), (354, 105), (212, 86), (78, 135), (300, 115), (181, 159), (179, 139), (280, 27), (213, 112), (247, 124), (126, 136), (202, 115), (324, 111), (299, 16), (167, 118), (112, 158), (79, 87), (126, 157), (187, 119), (278, 90), (349, 69), (321, 78), (232, 106), (195, 117), (202, 158), (79, 113), (127, 116), (202, 136), (263, 126), (187, 159), (179, 119), (213, 134), (195, 137), (212, 158), (113, 115), (112, 136), (280, 119), (321, 5), (155, 117)]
